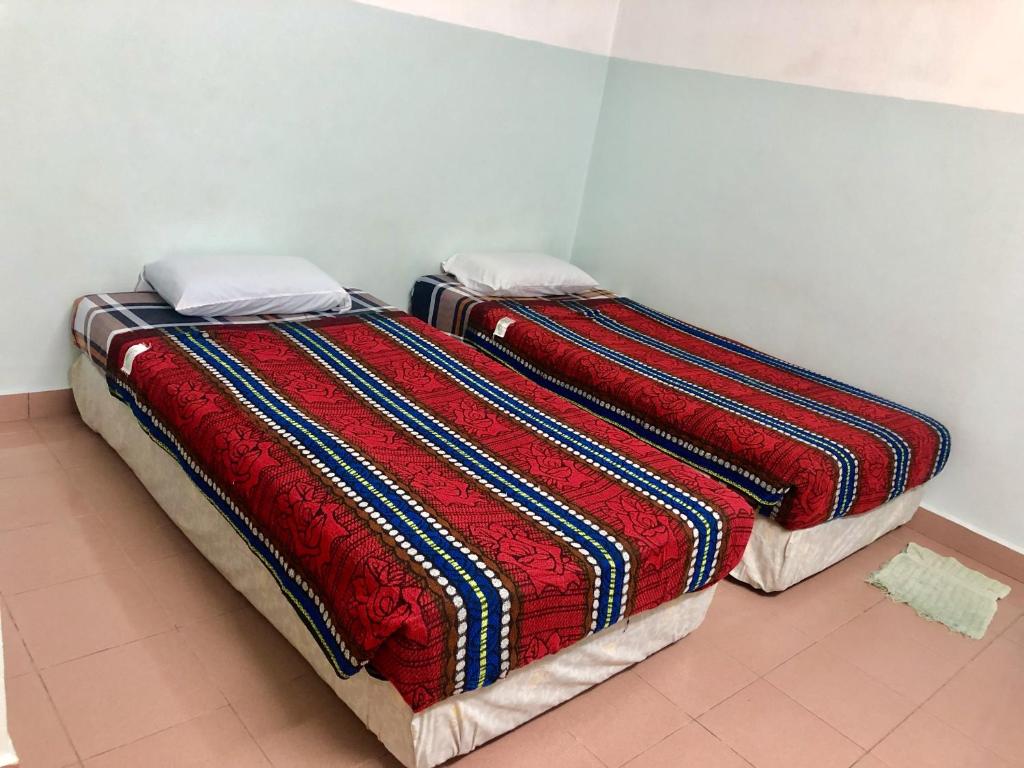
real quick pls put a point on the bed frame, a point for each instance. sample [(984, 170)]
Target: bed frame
[(422, 739)]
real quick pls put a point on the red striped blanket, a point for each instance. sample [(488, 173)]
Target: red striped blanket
[(430, 513), (805, 448)]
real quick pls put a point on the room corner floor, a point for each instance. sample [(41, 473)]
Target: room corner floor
[(123, 647)]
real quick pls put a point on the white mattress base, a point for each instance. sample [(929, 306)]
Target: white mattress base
[(419, 740), (776, 558)]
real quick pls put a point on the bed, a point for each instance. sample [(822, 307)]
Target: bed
[(452, 548), (829, 467)]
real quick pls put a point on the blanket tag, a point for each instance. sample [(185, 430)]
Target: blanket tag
[(129, 357), (501, 326)]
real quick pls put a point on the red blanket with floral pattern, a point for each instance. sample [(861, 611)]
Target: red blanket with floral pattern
[(428, 512), (804, 447)]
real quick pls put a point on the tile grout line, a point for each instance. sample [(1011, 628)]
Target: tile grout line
[(872, 607), (965, 554), (59, 714), (246, 728), (820, 719), (918, 707), (764, 677), (942, 687), (97, 652), (720, 741), (652, 746), (639, 677), (39, 672), (21, 637), (909, 525), (157, 733), (569, 733), (42, 682)]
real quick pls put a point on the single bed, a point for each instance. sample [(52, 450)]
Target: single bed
[(452, 548), (805, 449)]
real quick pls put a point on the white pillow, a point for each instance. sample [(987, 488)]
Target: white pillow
[(244, 285), (517, 274)]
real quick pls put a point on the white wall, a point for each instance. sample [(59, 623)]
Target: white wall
[(966, 52), (876, 239), (585, 25), (372, 142)]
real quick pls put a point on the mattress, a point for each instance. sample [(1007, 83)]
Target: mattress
[(804, 448), (731, 411), (421, 739), (433, 519)]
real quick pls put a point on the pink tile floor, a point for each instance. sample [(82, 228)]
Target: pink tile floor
[(123, 647)]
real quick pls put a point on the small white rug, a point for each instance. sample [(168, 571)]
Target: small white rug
[(941, 589)]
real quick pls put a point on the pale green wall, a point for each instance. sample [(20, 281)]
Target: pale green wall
[(876, 239), (372, 142), (872, 238)]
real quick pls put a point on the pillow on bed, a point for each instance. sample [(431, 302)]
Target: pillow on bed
[(517, 274), (244, 285)]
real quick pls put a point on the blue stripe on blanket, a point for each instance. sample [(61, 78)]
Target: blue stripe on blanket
[(294, 590), (606, 556), (473, 593), (942, 455), (897, 445), (703, 521), (844, 459)]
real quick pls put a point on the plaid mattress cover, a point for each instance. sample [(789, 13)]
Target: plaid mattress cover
[(99, 318), (429, 513), (445, 303), (803, 447)]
